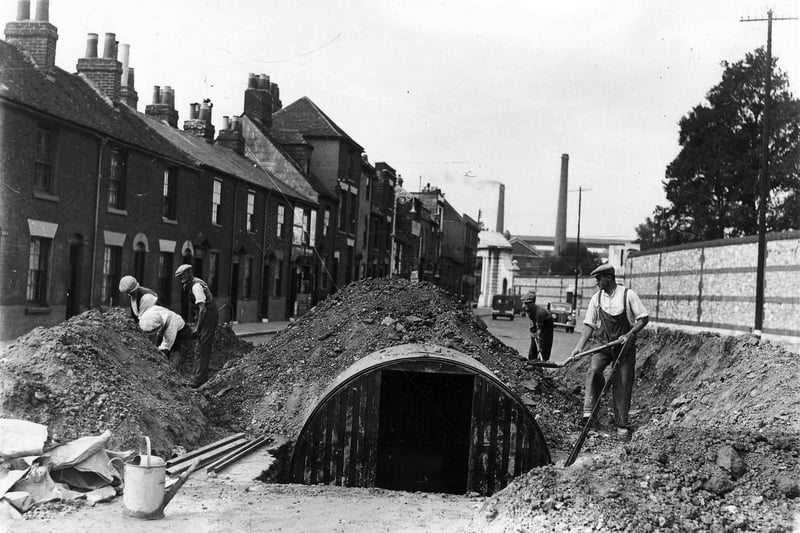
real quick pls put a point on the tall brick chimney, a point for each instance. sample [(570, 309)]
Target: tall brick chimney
[(104, 72), (230, 136), (199, 122), (561, 214), (163, 106), (127, 92), (261, 99), (36, 37), (501, 209)]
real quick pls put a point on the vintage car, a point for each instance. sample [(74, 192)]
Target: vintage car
[(563, 315), (502, 305)]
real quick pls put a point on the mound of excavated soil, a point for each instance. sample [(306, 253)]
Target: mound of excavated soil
[(717, 448), (98, 371), (271, 389)]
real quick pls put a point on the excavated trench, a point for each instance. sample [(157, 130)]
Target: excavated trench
[(703, 406)]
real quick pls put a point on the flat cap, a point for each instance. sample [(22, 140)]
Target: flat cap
[(605, 268), (181, 269), (528, 296)]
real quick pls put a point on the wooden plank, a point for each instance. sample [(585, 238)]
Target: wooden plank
[(355, 410), (518, 453), (200, 451), (235, 455), (492, 470), (507, 413), (341, 434), (206, 457), (330, 406)]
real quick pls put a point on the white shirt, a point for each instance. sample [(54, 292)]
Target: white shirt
[(166, 322), (613, 305), (198, 293)]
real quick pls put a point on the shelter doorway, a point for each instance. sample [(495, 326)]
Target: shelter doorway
[(424, 431)]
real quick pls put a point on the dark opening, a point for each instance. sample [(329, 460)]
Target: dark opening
[(424, 429)]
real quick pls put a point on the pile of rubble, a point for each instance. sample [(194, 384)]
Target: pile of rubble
[(716, 448), (96, 372), (270, 389)]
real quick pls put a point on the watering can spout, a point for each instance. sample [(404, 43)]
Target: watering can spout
[(173, 490)]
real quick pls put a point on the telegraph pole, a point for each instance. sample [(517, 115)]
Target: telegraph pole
[(764, 178), (577, 252)]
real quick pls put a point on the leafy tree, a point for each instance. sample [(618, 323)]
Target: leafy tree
[(713, 183)]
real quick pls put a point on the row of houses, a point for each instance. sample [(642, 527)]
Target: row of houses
[(276, 210)]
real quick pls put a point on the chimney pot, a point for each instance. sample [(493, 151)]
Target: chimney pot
[(194, 109), (170, 96), (156, 94), (91, 45), (24, 10), (109, 47), (226, 122), (43, 11), (205, 111), (252, 81), (126, 54), (263, 82)]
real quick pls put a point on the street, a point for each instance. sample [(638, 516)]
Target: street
[(515, 333)]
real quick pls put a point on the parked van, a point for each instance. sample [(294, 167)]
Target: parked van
[(502, 305)]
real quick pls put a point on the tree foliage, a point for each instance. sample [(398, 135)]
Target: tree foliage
[(712, 186)]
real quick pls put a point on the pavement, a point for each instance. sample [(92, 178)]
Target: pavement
[(255, 329)]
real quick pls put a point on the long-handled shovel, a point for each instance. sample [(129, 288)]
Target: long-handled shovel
[(576, 448), (550, 364)]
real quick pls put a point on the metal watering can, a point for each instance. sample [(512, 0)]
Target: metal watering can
[(144, 495)]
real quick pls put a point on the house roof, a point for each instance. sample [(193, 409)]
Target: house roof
[(277, 139), (304, 116), (222, 159), (71, 98), (492, 239)]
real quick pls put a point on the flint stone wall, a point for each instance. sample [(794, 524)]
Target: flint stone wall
[(712, 285)]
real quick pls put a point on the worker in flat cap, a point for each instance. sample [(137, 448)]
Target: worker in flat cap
[(614, 312), (130, 286), (541, 328), (203, 317)]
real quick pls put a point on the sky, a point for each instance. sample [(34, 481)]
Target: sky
[(465, 94)]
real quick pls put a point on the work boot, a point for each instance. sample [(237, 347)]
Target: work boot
[(623, 433)]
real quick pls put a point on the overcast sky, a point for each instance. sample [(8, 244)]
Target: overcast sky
[(461, 94)]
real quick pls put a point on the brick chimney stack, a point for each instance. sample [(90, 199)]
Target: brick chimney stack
[(104, 72), (127, 92), (230, 136), (501, 209), (261, 99), (163, 106), (199, 122), (561, 213), (36, 37)]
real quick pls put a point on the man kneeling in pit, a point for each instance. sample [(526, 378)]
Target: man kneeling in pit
[(175, 335)]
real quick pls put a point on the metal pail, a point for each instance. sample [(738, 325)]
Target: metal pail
[(143, 496)]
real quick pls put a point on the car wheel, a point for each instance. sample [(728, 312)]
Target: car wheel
[(512, 317), (570, 330), (494, 317)]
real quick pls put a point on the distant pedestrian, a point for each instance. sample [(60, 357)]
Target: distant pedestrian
[(173, 335), (541, 328), (614, 312), (128, 285), (203, 318)]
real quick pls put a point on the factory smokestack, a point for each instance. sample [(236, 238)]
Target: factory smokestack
[(501, 207), (561, 214)]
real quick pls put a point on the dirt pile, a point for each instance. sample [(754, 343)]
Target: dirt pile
[(270, 389), (98, 371), (716, 448)]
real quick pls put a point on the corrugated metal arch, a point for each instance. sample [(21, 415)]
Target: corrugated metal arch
[(343, 440)]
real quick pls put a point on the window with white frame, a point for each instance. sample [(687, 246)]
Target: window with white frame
[(43, 168), (326, 222), (281, 221), (112, 260), (251, 211), (38, 255), (116, 178), (216, 202), (170, 194)]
